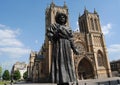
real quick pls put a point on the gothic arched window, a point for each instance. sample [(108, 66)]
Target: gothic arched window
[(92, 24), (81, 26), (96, 25), (100, 58), (84, 25)]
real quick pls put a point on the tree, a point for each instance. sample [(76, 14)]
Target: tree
[(16, 75), (25, 75), (0, 72), (6, 75)]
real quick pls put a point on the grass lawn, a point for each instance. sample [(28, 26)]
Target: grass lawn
[(3, 82)]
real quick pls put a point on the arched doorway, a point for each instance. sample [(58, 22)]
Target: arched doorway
[(85, 69)]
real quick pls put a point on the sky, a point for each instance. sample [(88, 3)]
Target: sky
[(22, 26)]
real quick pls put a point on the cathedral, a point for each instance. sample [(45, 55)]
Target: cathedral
[(94, 64)]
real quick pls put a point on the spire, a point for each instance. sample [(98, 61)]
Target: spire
[(95, 11), (47, 9), (52, 1), (47, 6), (85, 10), (65, 4), (52, 4), (79, 14)]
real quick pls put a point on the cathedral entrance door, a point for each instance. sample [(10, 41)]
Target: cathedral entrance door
[(85, 69)]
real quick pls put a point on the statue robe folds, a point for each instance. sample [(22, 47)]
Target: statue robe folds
[(62, 70)]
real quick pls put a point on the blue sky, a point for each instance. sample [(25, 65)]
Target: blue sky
[(22, 26)]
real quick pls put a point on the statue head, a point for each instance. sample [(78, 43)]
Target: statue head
[(61, 18)]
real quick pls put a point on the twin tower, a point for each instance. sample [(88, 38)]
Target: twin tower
[(89, 38)]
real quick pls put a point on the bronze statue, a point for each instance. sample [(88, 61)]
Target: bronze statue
[(60, 35)]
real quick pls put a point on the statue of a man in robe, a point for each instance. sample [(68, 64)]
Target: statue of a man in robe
[(62, 71)]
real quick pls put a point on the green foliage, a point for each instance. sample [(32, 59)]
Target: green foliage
[(25, 75), (6, 75), (0, 72), (16, 75)]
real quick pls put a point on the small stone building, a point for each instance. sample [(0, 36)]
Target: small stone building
[(21, 66)]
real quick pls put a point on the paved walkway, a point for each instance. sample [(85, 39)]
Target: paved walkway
[(103, 81), (32, 84)]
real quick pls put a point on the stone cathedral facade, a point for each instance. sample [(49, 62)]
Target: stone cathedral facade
[(90, 39)]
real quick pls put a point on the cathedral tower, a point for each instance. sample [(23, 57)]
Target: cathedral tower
[(94, 64), (50, 19)]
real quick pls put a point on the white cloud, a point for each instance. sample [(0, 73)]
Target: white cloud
[(3, 26), (36, 41), (14, 51), (114, 48), (7, 33), (114, 51), (10, 42), (10, 45), (106, 28), (8, 37)]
